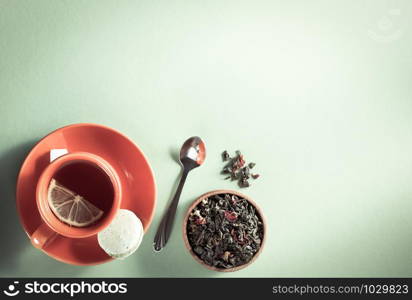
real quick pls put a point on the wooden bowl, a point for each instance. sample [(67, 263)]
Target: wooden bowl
[(212, 193)]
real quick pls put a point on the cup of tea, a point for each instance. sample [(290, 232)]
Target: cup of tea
[(81, 175)]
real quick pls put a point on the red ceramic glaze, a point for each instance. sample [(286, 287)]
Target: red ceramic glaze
[(138, 190), (88, 175)]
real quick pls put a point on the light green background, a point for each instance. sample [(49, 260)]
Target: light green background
[(317, 93)]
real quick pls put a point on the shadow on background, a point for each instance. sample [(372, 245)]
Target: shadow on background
[(174, 258), (16, 258), (15, 239), (174, 154)]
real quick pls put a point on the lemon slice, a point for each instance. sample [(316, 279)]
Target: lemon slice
[(71, 208)]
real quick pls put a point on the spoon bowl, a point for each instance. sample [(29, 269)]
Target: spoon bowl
[(192, 153)]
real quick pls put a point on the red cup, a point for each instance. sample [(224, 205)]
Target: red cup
[(52, 226)]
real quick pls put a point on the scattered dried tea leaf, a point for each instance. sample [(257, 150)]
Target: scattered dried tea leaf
[(244, 182), (225, 156), (238, 169)]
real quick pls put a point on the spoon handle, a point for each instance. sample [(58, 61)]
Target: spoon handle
[(166, 225)]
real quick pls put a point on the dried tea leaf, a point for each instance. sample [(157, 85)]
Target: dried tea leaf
[(225, 231), (237, 168), (244, 183), (225, 156)]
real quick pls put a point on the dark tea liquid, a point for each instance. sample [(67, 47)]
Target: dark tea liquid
[(88, 181)]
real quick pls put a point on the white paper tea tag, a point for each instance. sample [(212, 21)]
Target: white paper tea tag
[(56, 153)]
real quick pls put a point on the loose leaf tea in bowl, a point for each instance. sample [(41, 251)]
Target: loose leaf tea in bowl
[(224, 230)]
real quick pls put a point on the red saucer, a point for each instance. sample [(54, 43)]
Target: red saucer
[(137, 181)]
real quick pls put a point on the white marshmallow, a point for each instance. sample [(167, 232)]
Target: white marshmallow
[(123, 236)]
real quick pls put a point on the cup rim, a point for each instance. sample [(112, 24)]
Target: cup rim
[(212, 193), (47, 214)]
